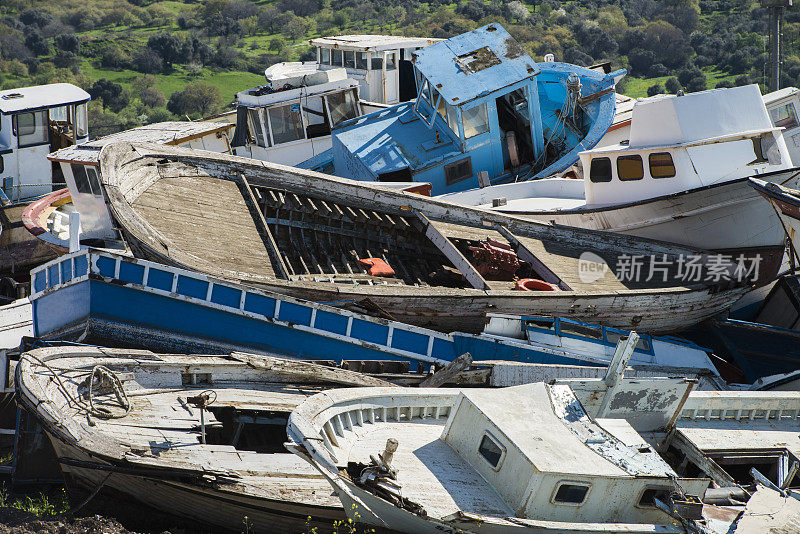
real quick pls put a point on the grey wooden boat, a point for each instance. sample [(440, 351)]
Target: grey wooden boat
[(303, 233), (123, 419)]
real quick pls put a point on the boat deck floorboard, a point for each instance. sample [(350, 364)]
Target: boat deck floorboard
[(237, 244), (432, 472)]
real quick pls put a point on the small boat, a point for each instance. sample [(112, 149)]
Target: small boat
[(199, 436), (785, 201), (484, 113), (88, 297), (419, 260), (49, 217), (536, 458), (568, 456), (681, 177), (36, 120), (289, 120)]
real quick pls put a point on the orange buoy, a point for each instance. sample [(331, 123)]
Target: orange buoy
[(533, 284)]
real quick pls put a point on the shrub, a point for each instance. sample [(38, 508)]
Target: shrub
[(656, 89)]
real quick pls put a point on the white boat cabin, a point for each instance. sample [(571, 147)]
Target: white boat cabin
[(556, 463), (80, 165), (289, 120), (674, 146), (783, 106), (381, 64), (35, 121)]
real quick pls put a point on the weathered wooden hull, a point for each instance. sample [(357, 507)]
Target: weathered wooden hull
[(179, 233), (19, 249), (152, 451), (207, 505)]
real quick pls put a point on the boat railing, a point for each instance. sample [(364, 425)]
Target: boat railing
[(407, 341), (742, 406), (334, 414)]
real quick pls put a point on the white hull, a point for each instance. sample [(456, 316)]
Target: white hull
[(722, 217)]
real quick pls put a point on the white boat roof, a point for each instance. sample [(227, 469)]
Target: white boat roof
[(41, 96), (371, 43), (163, 133), (529, 417), (678, 120), (774, 96), (245, 98)]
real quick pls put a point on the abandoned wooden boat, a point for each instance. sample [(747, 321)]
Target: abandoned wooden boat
[(89, 297), (680, 177), (132, 421), (49, 218), (528, 459), (485, 112), (34, 121), (290, 119), (309, 235), (785, 201), (571, 456)]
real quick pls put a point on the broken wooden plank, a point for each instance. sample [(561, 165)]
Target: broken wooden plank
[(452, 253), (447, 373)]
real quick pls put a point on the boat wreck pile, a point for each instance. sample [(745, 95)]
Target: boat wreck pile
[(592, 326)]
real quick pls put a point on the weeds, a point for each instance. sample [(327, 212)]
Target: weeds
[(347, 526), (40, 505)]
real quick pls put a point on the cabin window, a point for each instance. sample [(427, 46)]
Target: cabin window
[(94, 182), (649, 495), (570, 493), (576, 329), (287, 126), (362, 60), (325, 56), (452, 118), (81, 178), (343, 106), (81, 120), (377, 61), (768, 149), (476, 121), (630, 168), (458, 171), (257, 127), (600, 170), (316, 117), (784, 116), (31, 128), (391, 61), (661, 165), (350, 59), (613, 337), (491, 451), (337, 59)]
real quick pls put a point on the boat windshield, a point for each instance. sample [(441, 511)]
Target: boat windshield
[(433, 99)]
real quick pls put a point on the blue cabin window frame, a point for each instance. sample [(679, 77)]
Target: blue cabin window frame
[(645, 343), (458, 171)]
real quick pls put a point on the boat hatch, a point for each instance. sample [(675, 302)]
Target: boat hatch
[(248, 430)]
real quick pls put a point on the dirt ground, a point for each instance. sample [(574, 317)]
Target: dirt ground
[(106, 514)]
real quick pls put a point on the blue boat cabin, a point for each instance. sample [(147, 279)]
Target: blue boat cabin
[(477, 119)]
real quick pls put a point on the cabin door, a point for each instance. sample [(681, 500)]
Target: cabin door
[(515, 129), (408, 87), (391, 82)]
